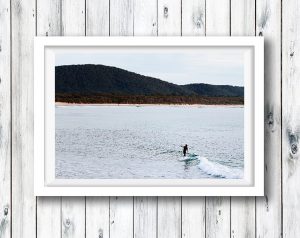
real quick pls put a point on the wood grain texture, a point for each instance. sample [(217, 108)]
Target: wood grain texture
[(169, 17), (290, 117), (121, 217), (97, 217), (268, 208), (48, 20), (169, 217), (218, 18), (145, 217), (97, 18), (217, 217), (73, 17), (5, 120), (48, 223), (218, 208), (145, 18), (23, 200), (48, 23), (193, 17), (242, 208), (242, 16), (121, 17), (193, 217), (73, 217)]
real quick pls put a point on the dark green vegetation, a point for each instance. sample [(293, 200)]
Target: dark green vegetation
[(105, 84)]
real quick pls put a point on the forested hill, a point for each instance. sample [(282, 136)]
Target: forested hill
[(88, 81), (110, 80)]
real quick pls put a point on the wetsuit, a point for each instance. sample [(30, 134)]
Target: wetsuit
[(185, 149)]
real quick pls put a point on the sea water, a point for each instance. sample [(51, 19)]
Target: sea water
[(140, 142)]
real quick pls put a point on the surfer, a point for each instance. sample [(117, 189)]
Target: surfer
[(185, 149)]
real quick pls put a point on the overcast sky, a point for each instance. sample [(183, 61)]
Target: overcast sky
[(220, 66)]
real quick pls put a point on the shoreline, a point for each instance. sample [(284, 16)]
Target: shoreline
[(145, 105)]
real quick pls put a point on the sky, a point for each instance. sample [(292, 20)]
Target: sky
[(219, 66)]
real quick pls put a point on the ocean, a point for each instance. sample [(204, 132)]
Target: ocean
[(144, 142)]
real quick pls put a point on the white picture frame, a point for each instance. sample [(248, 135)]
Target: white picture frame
[(45, 183)]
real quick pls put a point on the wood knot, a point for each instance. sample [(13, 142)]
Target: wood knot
[(292, 54), (293, 140), (294, 148), (267, 202), (100, 231), (166, 12), (67, 223), (270, 120), (6, 210)]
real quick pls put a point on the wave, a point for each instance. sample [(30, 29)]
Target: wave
[(219, 170)]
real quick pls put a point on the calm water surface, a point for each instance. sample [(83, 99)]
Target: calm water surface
[(145, 142)]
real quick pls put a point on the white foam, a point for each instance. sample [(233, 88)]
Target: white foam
[(219, 170)]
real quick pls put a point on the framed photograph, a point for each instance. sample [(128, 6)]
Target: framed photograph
[(148, 116)]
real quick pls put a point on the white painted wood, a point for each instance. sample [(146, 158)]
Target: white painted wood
[(217, 208), (193, 17), (169, 217), (145, 217), (218, 17), (48, 18), (169, 17), (145, 208), (268, 208), (48, 217), (121, 17), (73, 209), (73, 17), (145, 17), (48, 208), (193, 208), (23, 200), (242, 217), (193, 217), (73, 217), (290, 117), (242, 208), (121, 217), (242, 18), (217, 217), (5, 120), (97, 217), (97, 17)]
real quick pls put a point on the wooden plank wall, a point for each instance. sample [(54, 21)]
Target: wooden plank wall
[(274, 215)]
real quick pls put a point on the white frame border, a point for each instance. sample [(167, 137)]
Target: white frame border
[(59, 187)]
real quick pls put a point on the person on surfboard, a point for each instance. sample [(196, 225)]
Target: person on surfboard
[(185, 149)]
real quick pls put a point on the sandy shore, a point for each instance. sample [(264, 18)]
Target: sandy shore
[(145, 105)]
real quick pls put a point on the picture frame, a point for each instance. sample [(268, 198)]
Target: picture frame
[(45, 181)]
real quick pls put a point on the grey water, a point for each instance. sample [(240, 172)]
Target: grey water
[(140, 142)]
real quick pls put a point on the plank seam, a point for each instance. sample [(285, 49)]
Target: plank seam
[(281, 159)]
